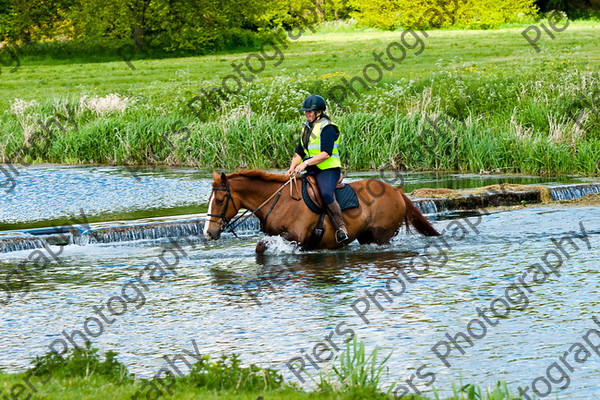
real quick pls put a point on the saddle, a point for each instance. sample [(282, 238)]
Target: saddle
[(344, 194), (315, 194)]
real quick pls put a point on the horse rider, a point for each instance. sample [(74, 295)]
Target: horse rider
[(318, 153)]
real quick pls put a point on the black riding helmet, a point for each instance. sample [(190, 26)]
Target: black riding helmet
[(313, 102)]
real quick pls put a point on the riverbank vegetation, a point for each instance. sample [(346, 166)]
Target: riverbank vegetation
[(470, 101), (86, 375)]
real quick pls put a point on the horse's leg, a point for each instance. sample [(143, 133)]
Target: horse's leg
[(377, 235), (383, 235), (365, 237), (261, 246)]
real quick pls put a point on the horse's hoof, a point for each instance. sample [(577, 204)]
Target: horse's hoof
[(261, 247), (341, 236)]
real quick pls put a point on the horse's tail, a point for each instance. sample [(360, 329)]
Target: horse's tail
[(415, 218)]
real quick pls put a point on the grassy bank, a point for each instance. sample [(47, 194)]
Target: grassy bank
[(85, 375), (497, 105)]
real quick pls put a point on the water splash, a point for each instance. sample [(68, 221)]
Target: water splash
[(276, 245)]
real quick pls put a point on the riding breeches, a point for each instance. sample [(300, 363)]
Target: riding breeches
[(327, 179)]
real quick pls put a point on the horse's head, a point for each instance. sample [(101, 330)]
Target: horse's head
[(221, 207)]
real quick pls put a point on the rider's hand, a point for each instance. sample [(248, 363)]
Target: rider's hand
[(290, 171), (300, 167)]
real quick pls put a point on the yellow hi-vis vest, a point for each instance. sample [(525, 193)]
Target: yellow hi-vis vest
[(314, 147)]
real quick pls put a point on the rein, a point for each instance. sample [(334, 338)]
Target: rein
[(229, 226)]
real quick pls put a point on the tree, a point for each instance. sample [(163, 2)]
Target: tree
[(573, 8), (423, 14), (31, 20)]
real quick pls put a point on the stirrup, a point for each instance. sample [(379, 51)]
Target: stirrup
[(341, 236)]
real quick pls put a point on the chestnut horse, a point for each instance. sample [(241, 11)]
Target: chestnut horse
[(276, 201)]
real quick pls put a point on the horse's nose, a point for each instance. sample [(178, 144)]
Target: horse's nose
[(212, 235)]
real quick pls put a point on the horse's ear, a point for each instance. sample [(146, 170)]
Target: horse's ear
[(223, 178), (215, 175)]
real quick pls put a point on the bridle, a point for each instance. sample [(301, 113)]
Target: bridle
[(226, 224), (224, 220)]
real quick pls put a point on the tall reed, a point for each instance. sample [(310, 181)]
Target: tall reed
[(475, 122)]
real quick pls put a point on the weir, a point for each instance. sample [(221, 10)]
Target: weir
[(470, 201), (192, 225), (430, 206), (569, 192), (20, 241), (106, 232)]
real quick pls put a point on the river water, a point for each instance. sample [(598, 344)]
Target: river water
[(271, 308)]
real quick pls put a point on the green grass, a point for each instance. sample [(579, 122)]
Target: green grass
[(100, 388), (510, 106), (83, 374)]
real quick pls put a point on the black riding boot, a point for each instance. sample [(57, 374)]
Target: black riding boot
[(335, 212)]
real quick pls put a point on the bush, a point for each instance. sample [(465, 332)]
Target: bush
[(82, 363), (424, 14), (227, 374), (153, 47)]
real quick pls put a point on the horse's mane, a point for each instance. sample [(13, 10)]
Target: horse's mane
[(262, 175)]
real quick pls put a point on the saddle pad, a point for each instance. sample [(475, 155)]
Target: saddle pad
[(345, 196)]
